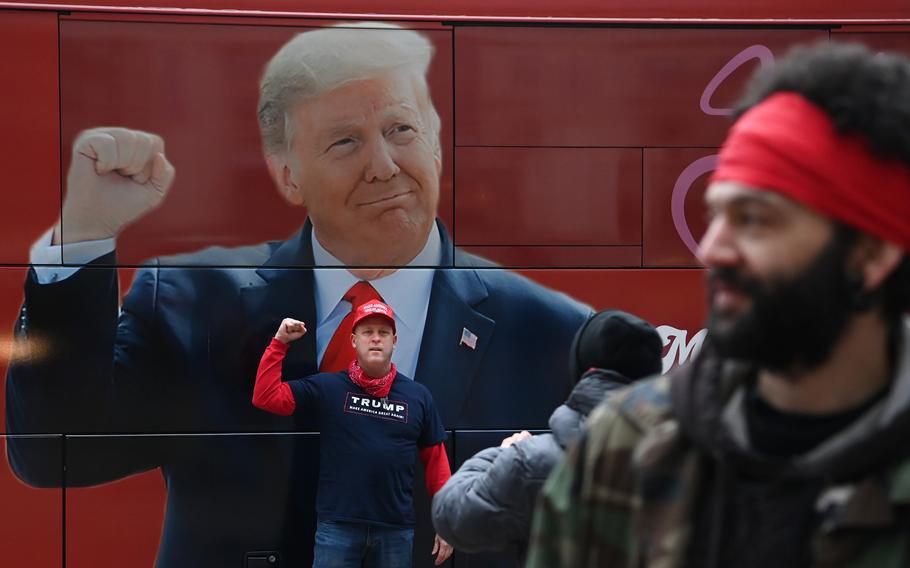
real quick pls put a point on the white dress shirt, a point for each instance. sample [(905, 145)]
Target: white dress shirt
[(407, 291), (46, 258)]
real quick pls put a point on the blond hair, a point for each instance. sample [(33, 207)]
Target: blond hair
[(316, 62)]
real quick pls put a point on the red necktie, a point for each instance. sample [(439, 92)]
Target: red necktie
[(340, 352)]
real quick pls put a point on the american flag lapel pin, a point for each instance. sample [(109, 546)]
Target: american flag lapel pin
[(468, 338)]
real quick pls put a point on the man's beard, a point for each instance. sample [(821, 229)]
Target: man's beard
[(794, 322)]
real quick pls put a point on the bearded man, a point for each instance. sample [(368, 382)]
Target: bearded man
[(785, 443)]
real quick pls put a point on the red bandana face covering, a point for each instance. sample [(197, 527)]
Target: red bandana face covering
[(378, 387), (788, 145)]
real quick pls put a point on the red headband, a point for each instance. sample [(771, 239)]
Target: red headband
[(788, 145)]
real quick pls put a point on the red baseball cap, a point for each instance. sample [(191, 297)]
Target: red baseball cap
[(373, 308)]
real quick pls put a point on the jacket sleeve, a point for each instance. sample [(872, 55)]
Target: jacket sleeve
[(87, 367), (584, 516), (487, 504), (270, 393), (557, 517)]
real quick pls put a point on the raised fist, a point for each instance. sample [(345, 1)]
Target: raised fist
[(290, 330), (116, 176)]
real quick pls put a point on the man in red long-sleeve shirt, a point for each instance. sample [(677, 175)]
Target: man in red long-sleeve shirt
[(372, 420)]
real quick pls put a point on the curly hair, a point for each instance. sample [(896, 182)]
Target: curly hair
[(864, 93)]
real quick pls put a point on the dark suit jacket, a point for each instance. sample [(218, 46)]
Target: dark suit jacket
[(178, 365)]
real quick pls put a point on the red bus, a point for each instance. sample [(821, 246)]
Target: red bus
[(576, 141)]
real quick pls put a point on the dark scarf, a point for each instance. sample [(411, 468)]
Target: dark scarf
[(378, 386)]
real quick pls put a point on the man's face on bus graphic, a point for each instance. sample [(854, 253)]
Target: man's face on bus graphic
[(363, 160), (781, 289), (374, 340)]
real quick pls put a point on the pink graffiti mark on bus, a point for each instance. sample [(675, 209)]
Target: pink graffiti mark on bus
[(707, 164), (685, 180), (760, 52)]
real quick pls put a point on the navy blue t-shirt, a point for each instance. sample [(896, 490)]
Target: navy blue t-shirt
[(368, 447)]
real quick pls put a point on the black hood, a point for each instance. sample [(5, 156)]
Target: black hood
[(616, 340), (567, 421)]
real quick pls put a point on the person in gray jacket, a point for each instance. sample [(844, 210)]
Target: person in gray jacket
[(488, 503)]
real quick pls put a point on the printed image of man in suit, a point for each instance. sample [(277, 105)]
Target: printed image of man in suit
[(349, 132)]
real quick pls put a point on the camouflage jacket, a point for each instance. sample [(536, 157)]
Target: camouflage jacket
[(625, 496)]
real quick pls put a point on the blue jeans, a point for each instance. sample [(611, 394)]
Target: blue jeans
[(361, 545)]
